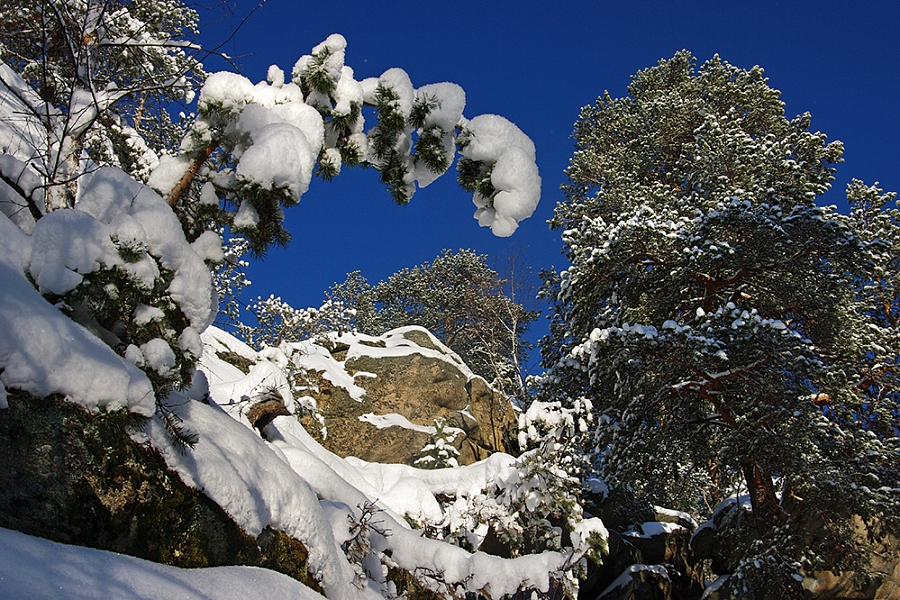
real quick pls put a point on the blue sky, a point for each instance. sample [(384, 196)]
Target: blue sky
[(538, 63)]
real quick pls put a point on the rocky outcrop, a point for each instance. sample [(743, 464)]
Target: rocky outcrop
[(409, 379), (78, 478), (650, 555)]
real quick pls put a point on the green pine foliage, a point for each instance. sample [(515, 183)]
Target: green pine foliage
[(732, 334), (439, 453)]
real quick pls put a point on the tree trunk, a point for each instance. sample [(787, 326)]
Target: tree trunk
[(766, 509)]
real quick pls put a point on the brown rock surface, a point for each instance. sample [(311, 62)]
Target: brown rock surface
[(420, 382)]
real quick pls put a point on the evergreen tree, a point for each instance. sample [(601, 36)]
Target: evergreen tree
[(439, 453), (460, 300), (111, 67), (719, 319), (90, 69)]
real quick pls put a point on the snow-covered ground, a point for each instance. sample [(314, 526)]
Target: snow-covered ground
[(39, 569)]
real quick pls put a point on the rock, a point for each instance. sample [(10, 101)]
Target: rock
[(262, 412), (622, 554), (640, 582), (884, 584), (667, 515), (669, 544), (409, 379), (648, 558), (78, 478), (727, 537)]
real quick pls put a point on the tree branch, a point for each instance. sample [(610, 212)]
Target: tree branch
[(177, 192)]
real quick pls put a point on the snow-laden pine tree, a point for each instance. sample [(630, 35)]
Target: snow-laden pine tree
[(461, 300), (721, 321), (131, 262), (111, 68)]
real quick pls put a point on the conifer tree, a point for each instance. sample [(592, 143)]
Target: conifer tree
[(111, 67), (714, 316)]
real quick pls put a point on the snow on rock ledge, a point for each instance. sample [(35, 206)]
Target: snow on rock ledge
[(44, 352), (380, 395)]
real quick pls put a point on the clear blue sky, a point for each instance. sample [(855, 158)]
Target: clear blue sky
[(537, 63)]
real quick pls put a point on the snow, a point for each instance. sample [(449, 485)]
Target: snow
[(335, 45), (493, 136), (158, 355), (281, 157), (652, 529), (317, 359), (21, 135), (397, 344), (246, 216), (675, 516), (136, 214), (67, 244), (451, 100), (230, 387), (395, 420), (628, 574), (242, 474), (461, 481), (144, 314), (498, 142), (44, 352), (347, 92), (209, 247), (275, 76), (398, 80), (714, 586), (225, 90), (268, 147), (598, 486), (168, 172), (280, 483), (39, 569), (11, 203)]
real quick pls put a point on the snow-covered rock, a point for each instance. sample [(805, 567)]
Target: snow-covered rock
[(379, 396)]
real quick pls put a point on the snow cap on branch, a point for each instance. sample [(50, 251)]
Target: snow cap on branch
[(494, 140)]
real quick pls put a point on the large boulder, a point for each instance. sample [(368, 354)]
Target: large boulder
[(410, 380), (374, 398)]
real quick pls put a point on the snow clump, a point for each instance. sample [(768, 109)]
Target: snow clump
[(494, 140)]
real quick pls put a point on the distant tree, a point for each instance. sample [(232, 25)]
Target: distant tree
[(460, 299), (278, 322), (730, 333)]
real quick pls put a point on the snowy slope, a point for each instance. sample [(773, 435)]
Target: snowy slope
[(39, 569), (289, 481)]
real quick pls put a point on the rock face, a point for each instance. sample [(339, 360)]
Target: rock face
[(650, 554), (409, 379), (77, 478)]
